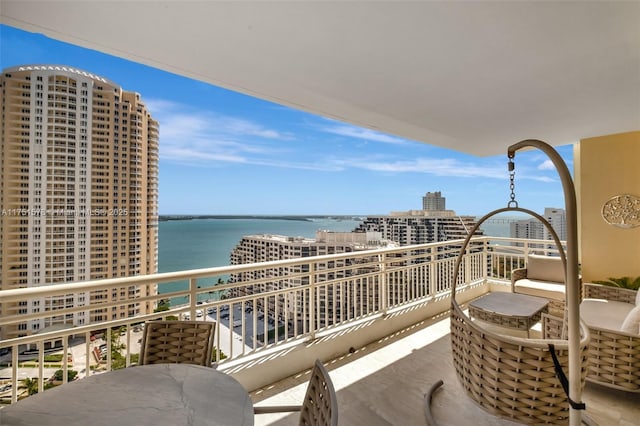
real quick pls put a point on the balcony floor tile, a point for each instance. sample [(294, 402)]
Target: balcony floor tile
[(385, 382)]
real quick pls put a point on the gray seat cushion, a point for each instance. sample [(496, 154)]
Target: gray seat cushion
[(603, 313)]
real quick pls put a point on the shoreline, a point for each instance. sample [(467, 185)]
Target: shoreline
[(302, 218)]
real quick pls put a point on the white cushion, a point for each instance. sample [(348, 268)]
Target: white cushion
[(545, 289), (638, 298), (545, 268), (631, 323), (603, 313)]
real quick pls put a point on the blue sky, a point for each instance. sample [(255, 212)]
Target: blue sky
[(222, 152)]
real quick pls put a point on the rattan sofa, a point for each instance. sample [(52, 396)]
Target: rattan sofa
[(613, 317), (614, 354), (543, 276)]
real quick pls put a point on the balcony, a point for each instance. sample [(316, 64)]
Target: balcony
[(384, 383), (378, 318)]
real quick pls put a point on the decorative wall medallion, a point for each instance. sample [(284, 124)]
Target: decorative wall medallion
[(622, 211)]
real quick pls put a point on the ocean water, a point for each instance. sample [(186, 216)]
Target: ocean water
[(205, 243)]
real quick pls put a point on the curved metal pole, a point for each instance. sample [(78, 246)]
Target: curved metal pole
[(571, 279)]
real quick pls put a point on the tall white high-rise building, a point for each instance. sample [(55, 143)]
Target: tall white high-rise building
[(533, 229), (558, 220), (79, 192)]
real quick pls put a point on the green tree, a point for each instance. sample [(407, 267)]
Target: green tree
[(71, 375), (163, 305), (31, 385), (118, 360), (214, 356)]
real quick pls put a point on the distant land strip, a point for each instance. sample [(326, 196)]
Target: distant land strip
[(304, 218)]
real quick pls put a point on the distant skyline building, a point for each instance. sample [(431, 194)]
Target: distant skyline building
[(533, 229), (430, 225), (433, 201), (79, 193), (420, 226)]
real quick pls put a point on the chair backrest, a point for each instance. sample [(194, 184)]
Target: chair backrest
[(545, 268), (320, 405), (187, 342)]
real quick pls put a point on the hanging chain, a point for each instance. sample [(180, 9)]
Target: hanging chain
[(512, 181)]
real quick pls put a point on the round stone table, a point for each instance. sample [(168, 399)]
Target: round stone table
[(154, 395)]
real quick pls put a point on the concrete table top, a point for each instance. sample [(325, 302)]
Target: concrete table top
[(159, 394)]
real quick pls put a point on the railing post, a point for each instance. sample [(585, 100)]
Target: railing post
[(128, 357), (109, 348), (65, 360), (14, 374), (467, 266), (193, 297), (384, 300), (433, 271), (485, 260), (312, 300), (41, 366), (87, 351)]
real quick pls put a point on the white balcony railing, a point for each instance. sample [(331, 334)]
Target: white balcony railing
[(256, 306)]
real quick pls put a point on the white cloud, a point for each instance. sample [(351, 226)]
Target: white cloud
[(245, 127), (434, 166), (192, 136), (445, 167), (160, 106), (364, 134), (546, 165)]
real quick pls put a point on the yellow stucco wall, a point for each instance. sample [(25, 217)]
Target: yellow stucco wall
[(607, 166)]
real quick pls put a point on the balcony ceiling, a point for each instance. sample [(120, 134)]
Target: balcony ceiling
[(470, 76)]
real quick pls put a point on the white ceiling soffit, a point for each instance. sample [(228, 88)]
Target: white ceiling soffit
[(470, 76)]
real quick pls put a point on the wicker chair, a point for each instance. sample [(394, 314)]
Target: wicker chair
[(320, 406), (614, 355), (551, 286), (187, 342)]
